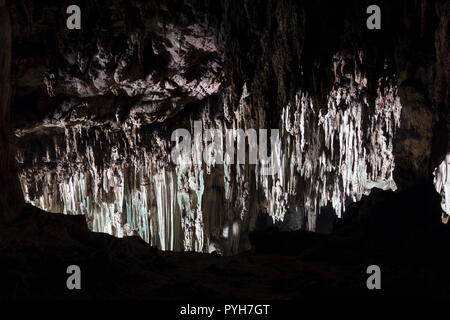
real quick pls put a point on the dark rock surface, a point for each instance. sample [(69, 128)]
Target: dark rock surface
[(145, 61), (36, 249), (11, 199)]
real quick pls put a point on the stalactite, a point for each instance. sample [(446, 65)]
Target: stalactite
[(442, 185), (125, 185)]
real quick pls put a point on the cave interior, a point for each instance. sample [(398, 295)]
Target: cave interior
[(89, 175)]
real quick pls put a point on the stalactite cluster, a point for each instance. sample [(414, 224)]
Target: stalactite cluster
[(442, 185), (122, 177)]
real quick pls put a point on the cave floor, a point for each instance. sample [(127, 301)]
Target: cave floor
[(36, 250)]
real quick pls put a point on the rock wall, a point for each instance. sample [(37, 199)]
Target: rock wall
[(124, 180), (95, 109), (11, 198)]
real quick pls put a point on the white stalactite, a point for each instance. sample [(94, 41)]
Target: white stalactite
[(327, 155)]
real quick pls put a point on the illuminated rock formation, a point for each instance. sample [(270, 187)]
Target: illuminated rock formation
[(98, 142), (442, 185), (123, 180)]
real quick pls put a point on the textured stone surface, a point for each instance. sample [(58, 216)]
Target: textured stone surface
[(441, 182), (98, 140), (92, 140), (411, 250), (11, 198), (124, 181)]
